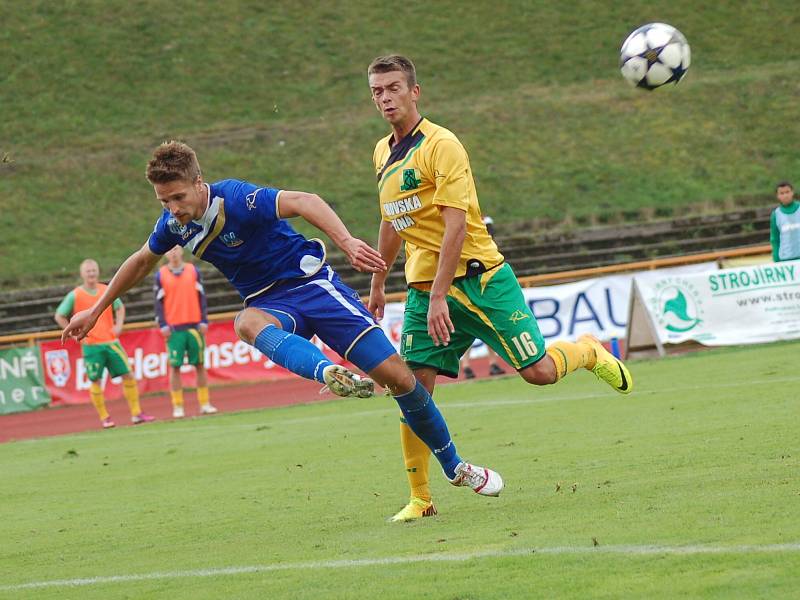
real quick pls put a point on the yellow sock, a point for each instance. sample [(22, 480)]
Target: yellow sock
[(570, 357), (177, 397), (131, 392), (417, 458), (202, 396), (99, 401)]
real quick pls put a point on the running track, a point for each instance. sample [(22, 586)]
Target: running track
[(79, 418)]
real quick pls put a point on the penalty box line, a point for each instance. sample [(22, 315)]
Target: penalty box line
[(619, 550)]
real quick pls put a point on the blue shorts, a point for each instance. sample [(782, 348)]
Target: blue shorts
[(324, 305)]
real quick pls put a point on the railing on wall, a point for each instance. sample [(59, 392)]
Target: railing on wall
[(547, 278)]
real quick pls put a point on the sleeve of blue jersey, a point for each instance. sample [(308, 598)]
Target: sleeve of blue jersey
[(266, 200), (162, 239)]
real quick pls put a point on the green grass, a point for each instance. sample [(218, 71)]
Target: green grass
[(703, 454), (277, 93)]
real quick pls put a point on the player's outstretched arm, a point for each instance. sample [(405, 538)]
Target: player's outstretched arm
[(389, 244), (317, 212), (132, 271)]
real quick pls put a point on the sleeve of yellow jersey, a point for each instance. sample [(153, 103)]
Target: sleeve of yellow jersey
[(450, 168), (375, 156)]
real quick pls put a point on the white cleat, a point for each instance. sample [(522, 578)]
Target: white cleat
[(483, 481), (342, 382), (178, 412), (208, 409)]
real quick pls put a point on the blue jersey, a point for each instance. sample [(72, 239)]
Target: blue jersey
[(243, 236)]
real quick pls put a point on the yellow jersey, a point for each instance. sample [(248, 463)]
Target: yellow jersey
[(427, 169)]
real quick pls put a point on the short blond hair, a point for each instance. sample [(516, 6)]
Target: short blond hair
[(173, 161), (394, 62)]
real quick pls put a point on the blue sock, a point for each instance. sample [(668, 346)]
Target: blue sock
[(292, 352), (429, 425)]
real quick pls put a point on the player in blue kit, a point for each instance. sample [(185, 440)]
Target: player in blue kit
[(290, 293)]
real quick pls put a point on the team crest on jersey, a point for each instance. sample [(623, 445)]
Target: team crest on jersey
[(185, 231), (175, 227), (518, 316), (58, 366), (410, 180), (230, 240)]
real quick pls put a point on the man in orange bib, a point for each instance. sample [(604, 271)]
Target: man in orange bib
[(101, 348), (180, 304)]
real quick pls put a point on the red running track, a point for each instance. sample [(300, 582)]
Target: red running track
[(78, 418)]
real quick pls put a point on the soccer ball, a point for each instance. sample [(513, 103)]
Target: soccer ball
[(654, 55)]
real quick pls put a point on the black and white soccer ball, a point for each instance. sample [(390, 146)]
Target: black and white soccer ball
[(654, 55)]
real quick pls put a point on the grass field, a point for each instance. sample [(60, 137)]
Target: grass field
[(687, 488), (277, 94)]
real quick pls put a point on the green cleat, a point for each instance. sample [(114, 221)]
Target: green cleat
[(608, 368)]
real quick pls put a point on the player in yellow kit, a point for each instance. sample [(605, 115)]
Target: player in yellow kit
[(460, 287)]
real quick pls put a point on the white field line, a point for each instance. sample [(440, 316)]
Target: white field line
[(391, 408), (622, 550)]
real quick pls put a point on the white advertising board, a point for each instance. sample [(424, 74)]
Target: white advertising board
[(598, 306), (740, 305)]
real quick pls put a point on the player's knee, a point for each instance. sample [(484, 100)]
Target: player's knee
[(540, 373), (401, 381), (394, 375), (240, 325), (249, 323)]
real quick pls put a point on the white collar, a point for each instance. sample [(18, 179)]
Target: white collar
[(204, 219)]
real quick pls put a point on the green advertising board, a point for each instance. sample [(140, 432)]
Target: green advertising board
[(21, 380)]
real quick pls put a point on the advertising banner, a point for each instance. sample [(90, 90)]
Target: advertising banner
[(566, 311), (228, 359), (21, 382), (740, 305), (599, 306)]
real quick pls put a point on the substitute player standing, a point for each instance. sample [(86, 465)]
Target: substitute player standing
[(101, 348), (290, 292), (460, 287), (180, 305)]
